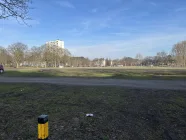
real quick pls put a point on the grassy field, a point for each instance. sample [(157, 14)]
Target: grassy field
[(124, 73), (119, 113)]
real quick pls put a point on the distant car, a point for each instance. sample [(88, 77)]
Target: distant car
[(1, 69)]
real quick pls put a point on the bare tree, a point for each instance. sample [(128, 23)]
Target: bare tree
[(17, 52), (161, 58), (34, 56), (108, 62), (60, 56), (55, 56), (46, 54), (4, 57), (14, 8), (50, 55), (116, 62), (170, 60), (139, 58), (65, 57), (128, 61), (179, 52), (149, 60)]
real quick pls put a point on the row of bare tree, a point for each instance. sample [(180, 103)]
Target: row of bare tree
[(18, 54), (176, 58)]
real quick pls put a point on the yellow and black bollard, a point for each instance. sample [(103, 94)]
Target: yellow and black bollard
[(43, 127)]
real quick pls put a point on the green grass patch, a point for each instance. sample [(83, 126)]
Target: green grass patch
[(125, 73), (119, 113)]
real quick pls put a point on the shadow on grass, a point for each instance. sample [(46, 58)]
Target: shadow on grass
[(35, 73)]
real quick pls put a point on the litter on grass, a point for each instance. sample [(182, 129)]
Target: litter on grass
[(89, 115)]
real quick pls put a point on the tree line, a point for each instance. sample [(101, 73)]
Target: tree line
[(18, 54)]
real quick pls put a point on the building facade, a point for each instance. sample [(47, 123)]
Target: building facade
[(57, 43)]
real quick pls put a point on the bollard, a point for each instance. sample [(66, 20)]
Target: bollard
[(43, 127)]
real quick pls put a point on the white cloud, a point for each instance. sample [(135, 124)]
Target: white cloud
[(180, 9), (75, 32), (94, 10), (86, 24), (153, 3), (121, 33), (147, 45), (66, 4), (92, 24)]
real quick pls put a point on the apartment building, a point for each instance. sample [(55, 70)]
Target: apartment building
[(57, 43)]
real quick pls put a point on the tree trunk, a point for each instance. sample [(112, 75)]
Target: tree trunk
[(55, 64), (17, 65)]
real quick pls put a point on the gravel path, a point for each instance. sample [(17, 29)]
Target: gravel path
[(149, 84)]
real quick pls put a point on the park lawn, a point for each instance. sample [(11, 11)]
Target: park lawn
[(120, 73), (119, 113)]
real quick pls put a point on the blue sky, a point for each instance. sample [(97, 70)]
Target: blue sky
[(102, 28)]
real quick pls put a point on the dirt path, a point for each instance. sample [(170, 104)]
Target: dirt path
[(149, 84)]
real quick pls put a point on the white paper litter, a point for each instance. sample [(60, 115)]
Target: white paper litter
[(89, 115)]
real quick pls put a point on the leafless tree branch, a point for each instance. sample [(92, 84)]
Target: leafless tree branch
[(14, 8)]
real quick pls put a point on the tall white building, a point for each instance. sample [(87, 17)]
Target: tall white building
[(57, 43)]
